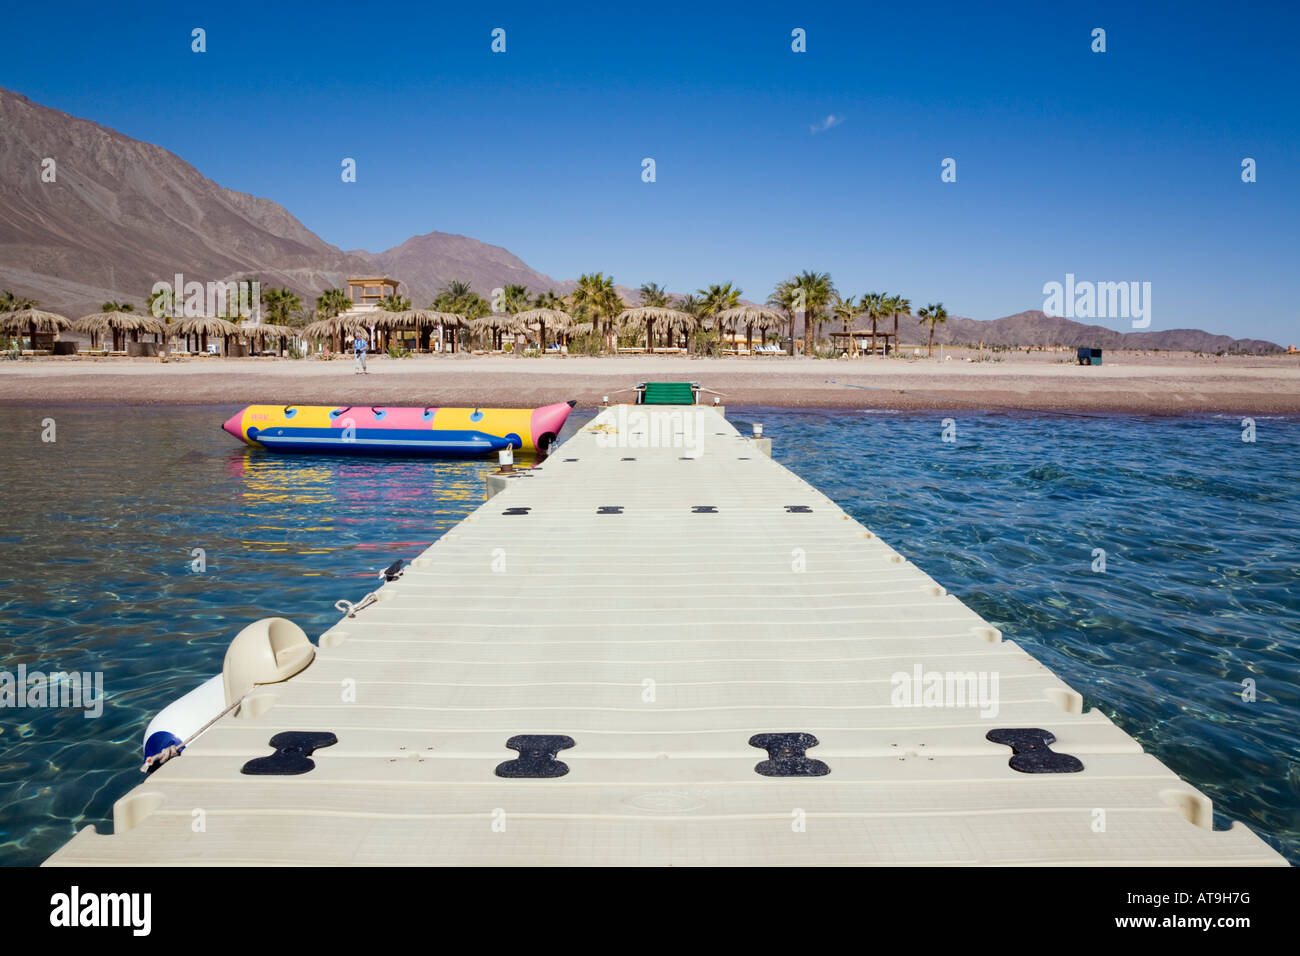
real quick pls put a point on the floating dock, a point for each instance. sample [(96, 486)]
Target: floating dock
[(667, 656)]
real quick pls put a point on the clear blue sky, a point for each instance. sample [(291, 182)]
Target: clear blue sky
[(1117, 166)]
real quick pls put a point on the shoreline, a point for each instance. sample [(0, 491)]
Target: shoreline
[(1133, 383)]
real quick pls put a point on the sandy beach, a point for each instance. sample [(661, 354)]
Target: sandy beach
[(1150, 383)]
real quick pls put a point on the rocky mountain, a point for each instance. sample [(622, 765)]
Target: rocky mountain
[(121, 214), (118, 215), (425, 264)]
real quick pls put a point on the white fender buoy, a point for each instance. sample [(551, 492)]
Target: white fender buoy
[(265, 652), (183, 716)]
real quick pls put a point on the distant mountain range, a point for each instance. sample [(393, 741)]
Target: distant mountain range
[(122, 214), (1037, 328)]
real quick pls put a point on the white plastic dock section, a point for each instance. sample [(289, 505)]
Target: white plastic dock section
[(661, 639)]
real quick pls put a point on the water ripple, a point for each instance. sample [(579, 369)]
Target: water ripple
[(1200, 590)]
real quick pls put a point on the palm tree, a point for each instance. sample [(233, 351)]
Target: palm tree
[(13, 303), (596, 299), (279, 304), (934, 314), (653, 295), (845, 309), (514, 299), (549, 299), (161, 305), (783, 298), (459, 298), (451, 295), (873, 304), (899, 305), (331, 302), (239, 304), (302, 318), (690, 303), (809, 293), (473, 306), (718, 298)]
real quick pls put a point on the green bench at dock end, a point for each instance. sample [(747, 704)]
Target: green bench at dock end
[(667, 393)]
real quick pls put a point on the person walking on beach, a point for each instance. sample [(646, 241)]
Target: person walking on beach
[(359, 355)]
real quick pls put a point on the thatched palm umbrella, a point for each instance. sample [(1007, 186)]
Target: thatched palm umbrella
[(680, 324), (118, 323), (482, 325), (751, 317), (269, 330), (542, 318), (514, 328), (672, 320), (32, 321), (204, 325), (494, 322), (334, 328)]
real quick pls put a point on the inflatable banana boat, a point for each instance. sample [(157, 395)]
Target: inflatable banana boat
[(380, 430)]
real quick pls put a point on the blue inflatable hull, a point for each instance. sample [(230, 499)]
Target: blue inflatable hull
[(384, 441)]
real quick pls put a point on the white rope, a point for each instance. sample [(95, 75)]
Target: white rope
[(350, 610), (162, 756)]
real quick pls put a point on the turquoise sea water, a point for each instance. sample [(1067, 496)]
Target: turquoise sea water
[(1201, 589)]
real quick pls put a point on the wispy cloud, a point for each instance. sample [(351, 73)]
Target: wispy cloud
[(827, 123)]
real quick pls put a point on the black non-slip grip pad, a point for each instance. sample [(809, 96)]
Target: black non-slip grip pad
[(785, 755), (293, 750), (1031, 747), (536, 756)]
